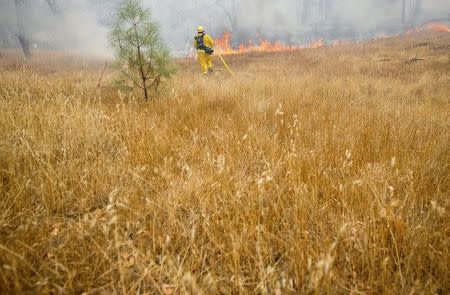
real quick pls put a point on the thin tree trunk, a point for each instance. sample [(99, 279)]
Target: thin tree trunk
[(417, 11), (323, 9), (403, 11), (53, 6), (306, 11), (143, 77), (141, 69), (231, 14), (23, 39)]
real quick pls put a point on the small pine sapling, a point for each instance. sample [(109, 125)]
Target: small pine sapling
[(140, 55)]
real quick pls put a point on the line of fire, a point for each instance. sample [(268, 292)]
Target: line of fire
[(317, 26), (310, 23)]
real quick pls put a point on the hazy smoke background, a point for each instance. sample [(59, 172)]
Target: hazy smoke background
[(73, 26), (81, 25)]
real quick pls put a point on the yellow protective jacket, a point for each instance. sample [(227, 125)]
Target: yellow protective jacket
[(207, 41)]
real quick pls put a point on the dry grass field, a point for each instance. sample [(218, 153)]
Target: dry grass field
[(320, 171)]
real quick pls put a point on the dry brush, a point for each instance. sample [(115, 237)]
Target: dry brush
[(320, 171)]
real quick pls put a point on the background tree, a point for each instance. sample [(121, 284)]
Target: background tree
[(230, 8), (304, 8), (417, 9), (53, 6), (141, 56), (22, 35)]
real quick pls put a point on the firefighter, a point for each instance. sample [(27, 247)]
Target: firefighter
[(204, 45)]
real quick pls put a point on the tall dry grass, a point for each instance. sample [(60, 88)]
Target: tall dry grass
[(320, 171)]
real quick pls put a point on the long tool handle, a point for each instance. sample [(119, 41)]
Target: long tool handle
[(224, 63)]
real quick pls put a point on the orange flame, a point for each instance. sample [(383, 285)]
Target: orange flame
[(438, 27), (223, 44), (341, 42), (433, 26), (317, 43)]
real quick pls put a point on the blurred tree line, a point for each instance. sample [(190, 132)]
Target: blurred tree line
[(61, 23)]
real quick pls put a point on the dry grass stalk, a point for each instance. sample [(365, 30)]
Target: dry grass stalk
[(320, 171)]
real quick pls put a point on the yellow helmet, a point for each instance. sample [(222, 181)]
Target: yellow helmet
[(200, 29)]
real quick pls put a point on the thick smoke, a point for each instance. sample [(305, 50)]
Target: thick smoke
[(294, 21), (69, 25), (80, 25)]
